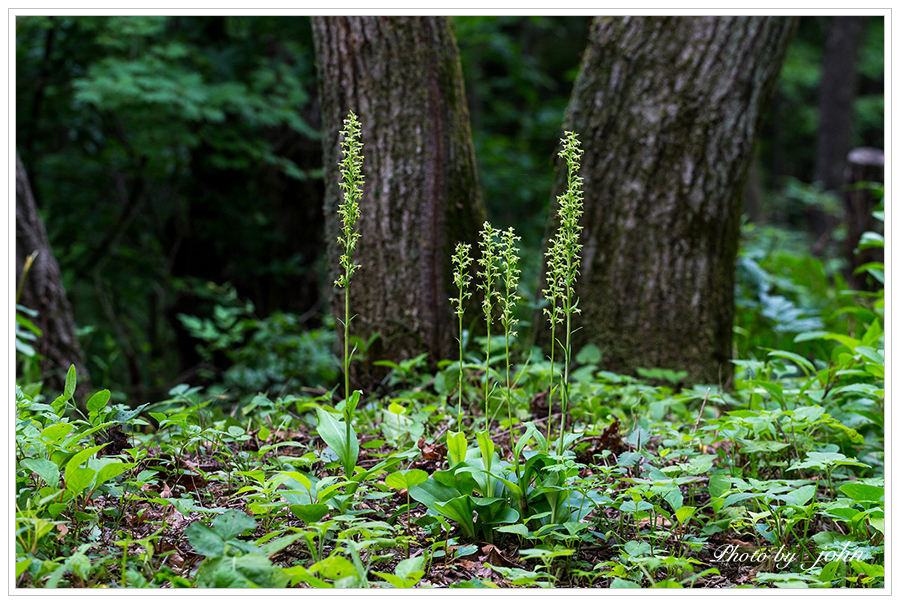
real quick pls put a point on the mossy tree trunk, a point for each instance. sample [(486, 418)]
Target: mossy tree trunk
[(402, 77), (43, 291), (667, 109)]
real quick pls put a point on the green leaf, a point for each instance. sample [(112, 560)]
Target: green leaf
[(718, 484), (862, 492), (297, 574), (804, 494), (334, 567), (45, 469), (409, 566), (205, 541), (684, 513), (589, 354), (309, 513), (460, 511), (252, 570), (871, 354), (406, 479), (111, 470), (628, 458), (873, 570), (827, 573), (804, 364), (123, 417), (515, 529), (301, 478), (276, 545), (98, 401), (486, 446), (431, 492), (674, 498), (620, 583), (736, 497), (824, 460), (531, 431), (400, 582), (69, 390), (232, 523), (870, 239), (80, 458), (56, 432), (79, 479), (334, 433), (456, 448), (352, 402), (638, 438)]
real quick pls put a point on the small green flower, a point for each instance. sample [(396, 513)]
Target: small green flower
[(461, 278), (509, 256)]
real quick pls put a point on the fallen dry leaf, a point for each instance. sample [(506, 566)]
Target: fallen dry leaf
[(432, 450)]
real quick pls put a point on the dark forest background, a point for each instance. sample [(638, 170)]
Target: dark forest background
[(177, 165)]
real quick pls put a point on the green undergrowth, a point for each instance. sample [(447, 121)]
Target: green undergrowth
[(498, 469), (185, 492)]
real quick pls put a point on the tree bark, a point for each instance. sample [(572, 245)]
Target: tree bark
[(402, 77), (43, 291), (667, 109)]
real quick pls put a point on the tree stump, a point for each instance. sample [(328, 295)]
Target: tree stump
[(864, 164)]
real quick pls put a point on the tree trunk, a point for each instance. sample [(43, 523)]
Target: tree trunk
[(43, 291), (667, 110), (402, 77), (864, 165), (837, 91)]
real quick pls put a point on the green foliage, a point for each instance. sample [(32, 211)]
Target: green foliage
[(298, 488), (275, 353), (147, 139)]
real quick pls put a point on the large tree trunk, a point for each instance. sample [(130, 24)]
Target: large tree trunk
[(667, 109), (402, 77), (43, 291)]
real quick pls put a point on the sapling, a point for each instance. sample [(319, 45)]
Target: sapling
[(461, 278), (351, 184), (488, 274), (563, 262)]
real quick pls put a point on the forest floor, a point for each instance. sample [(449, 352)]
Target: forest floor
[(776, 483)]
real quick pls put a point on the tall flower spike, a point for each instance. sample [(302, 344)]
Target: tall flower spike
[(509, 254), (563, 263), (351, 184), (488, 274)]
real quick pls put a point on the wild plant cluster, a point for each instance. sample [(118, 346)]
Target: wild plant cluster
[(629, 482)]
